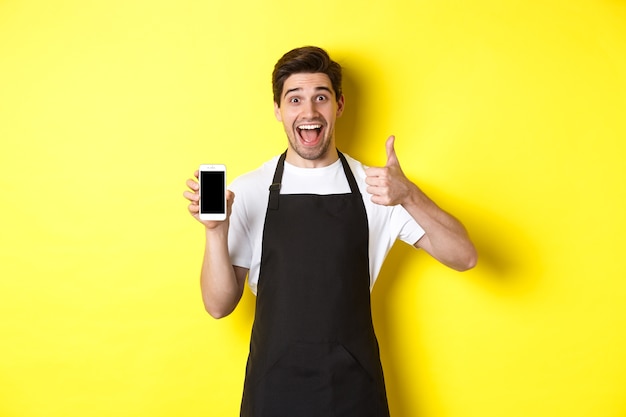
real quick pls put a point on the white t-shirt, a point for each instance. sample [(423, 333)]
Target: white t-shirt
[(386, 224)]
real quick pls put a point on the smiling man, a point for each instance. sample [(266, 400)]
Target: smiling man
[(311, 229), (308, 108)]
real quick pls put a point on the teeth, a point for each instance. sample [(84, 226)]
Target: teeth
[(310, 127)]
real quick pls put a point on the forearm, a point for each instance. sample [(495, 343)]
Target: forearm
[(221, 286), (446, 239)]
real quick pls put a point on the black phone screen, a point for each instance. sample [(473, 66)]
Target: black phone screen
[(212, 198)]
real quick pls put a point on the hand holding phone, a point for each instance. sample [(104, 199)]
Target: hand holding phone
[(212, 180)]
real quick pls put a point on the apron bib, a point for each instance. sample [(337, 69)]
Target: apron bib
[(313, 351)]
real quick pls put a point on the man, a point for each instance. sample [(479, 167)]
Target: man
[(310, 229)]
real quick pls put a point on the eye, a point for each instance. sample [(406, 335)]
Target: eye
[(321, 98), (294, 100)]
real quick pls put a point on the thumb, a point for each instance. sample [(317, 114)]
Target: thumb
[(392, 158)]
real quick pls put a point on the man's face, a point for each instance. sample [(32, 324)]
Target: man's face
[(308, 110)]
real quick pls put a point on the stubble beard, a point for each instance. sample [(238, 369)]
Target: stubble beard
[(310, 153)]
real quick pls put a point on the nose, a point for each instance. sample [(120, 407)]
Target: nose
[(310, 109)]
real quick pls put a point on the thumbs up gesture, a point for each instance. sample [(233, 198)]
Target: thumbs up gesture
[(388, 185)]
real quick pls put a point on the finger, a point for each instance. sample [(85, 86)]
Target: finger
[(373, 190), (193, 185), (378, 182), (380, 199), (193, 209), (230, 197), (392, 158), (370, 181), (374, 172), (193, 197)]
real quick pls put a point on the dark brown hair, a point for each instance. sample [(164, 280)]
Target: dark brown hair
[(307, 59)]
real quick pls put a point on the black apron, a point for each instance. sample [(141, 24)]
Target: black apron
[(313, 352)]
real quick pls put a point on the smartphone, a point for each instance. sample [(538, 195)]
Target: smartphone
[(212, 179)]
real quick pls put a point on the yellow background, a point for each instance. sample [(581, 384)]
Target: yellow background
[(509, 114)]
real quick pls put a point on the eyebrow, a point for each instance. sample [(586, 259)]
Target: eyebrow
[(320, 88)]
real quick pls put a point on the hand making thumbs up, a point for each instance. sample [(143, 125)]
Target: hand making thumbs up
[(388, 185)]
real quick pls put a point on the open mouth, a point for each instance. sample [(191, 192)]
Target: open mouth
[(310, 133)]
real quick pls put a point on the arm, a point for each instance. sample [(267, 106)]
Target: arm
[(445, 239), (221, 283)]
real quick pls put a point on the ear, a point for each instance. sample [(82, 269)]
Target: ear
[(340, 105), (277, 114)]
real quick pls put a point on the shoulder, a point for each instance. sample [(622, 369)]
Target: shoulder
[(252, 180)]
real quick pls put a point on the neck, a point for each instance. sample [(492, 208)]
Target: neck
[(328, 158)]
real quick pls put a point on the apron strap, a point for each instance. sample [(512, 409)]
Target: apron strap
[(275, 187), (354, 188)]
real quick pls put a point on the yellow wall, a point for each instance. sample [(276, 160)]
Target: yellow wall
[(509, 114)]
